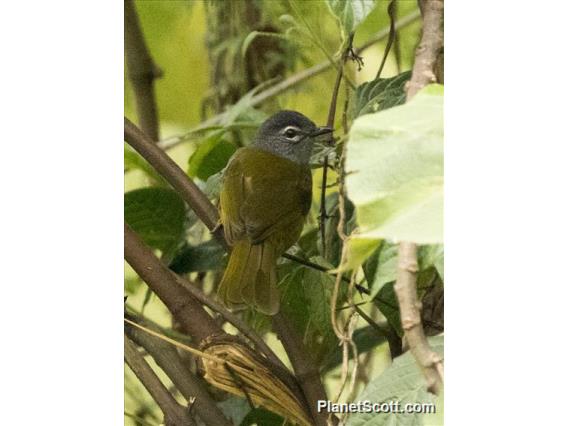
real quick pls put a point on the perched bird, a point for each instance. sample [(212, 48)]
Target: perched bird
[(266, 194)]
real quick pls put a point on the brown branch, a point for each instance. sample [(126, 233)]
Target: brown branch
[(293, 80), (183, 306), (306, 371), (191, 387), (174, 414), (430, 362), (141, 71), (430, 47)]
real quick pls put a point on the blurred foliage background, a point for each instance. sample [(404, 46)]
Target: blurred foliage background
[(212, 55)]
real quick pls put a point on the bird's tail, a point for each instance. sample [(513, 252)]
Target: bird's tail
[(250, 277)]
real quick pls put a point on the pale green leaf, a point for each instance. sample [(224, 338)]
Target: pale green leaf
[(404, 382), (395, 170), (351, 13)]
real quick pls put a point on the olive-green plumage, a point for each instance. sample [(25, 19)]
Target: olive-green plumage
[(265, 197)]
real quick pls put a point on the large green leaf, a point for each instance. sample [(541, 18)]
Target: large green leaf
[(380, 94), (351, 13), (404, 382), (395, 168), (157, 215)]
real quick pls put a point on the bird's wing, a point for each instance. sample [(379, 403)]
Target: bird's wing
[(278, 199), (232, 198), (263, 194)]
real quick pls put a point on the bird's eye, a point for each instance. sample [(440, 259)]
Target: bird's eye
[(290, 133)]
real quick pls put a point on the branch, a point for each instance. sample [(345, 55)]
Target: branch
[(183, 306), (174, 414), (430, 47), (306, 371), (141, 71), (423, 74), (191, 387), (293, 80)]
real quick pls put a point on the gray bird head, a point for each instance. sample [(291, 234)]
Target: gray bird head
[(289, 134)]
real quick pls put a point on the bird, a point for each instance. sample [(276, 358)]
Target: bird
[(266, 193)]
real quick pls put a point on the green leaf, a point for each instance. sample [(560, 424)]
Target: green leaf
[(395, 170), (404, 382), (432, 255), (235, 408), (380, 94), (387, 303), (211, 156), (260, 416), (350, 13), (381, 267), (157, 215), (207, 256)]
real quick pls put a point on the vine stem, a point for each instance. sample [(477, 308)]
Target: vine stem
[(330, 123)]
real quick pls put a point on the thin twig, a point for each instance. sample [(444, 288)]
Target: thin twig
[(431, 363), (395, 343), (392, 36), (293, 80), (142, 72), (396, 46), (174, 414), (321, 268), (330, 124)]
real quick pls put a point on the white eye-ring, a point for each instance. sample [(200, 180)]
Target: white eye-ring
[(292, 132)]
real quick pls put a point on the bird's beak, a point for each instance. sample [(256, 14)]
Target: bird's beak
[(321, 131)]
